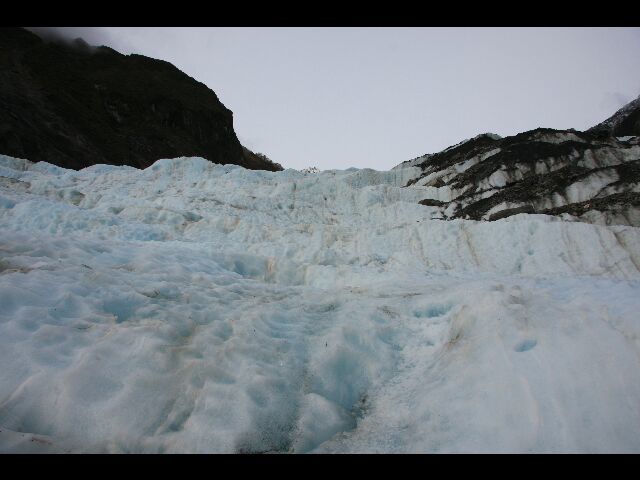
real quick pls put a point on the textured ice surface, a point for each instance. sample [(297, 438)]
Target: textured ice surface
[(194, 307)]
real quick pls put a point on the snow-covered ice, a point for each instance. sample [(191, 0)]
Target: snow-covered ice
[(195, 307)]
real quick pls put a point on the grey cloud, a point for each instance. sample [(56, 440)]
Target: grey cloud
[(92, 36)]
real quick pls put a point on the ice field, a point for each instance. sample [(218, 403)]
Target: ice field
[(194, 308)]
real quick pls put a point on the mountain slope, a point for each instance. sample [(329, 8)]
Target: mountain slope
[(624, 122), (586, 176), (74, 106)]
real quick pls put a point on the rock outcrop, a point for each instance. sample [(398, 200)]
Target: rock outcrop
[(74, 105), (588, 176), (625, 122)]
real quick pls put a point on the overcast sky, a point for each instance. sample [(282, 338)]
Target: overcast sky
[(374, 97)]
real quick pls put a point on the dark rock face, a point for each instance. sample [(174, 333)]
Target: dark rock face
[(586, 176), (74, 106), (625, 122)]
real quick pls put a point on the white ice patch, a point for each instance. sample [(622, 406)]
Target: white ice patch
[(591, 186)]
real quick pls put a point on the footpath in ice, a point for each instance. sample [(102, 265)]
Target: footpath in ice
[(194, 307)]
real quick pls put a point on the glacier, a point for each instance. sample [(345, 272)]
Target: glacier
[(192, 307)]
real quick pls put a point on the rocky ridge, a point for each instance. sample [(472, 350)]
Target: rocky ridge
[(74, 106), (591, 176)]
